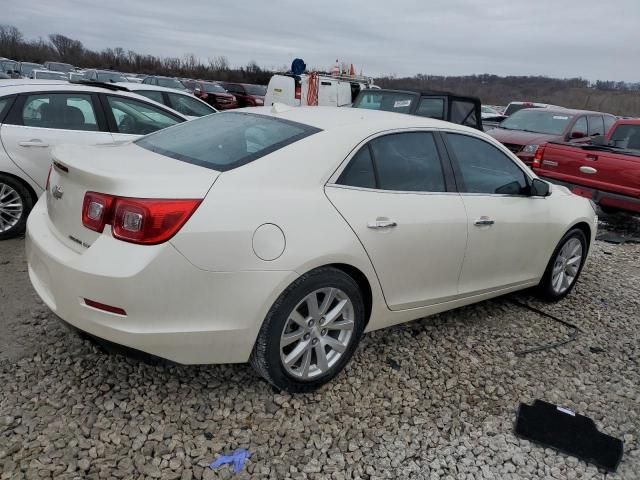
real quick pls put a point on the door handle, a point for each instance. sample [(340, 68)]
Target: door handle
[(34, 143), (379, 224), (484, 222), (588, 170)]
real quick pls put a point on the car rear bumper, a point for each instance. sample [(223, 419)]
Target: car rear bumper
[(607, 199), (173, 309)]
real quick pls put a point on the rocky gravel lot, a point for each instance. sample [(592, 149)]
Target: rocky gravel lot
[(435, 398)]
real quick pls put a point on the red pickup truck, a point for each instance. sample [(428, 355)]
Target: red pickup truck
[(606, 171)]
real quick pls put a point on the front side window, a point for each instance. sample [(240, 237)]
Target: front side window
[(67, 111), (483, 168), (139, 118), (579, 128), (626, 136), (538, 121), (407, 162), (189, 105), (596, 125), (227, 140)]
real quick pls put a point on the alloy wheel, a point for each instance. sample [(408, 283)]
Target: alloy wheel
[(11, 207), (566, 266), (317, 333)]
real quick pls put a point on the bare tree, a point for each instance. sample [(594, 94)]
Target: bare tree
[(68, 49)]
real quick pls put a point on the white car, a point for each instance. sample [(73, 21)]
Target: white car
[(489, 112), (181, 101), (278, 236), (36, 115), (43, 74)]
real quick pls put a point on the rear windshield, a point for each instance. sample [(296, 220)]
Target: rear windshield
[(388, 101), (171, 83), (538, 121), (111, 77), (226, 140)]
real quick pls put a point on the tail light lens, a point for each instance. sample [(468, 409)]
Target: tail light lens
[(298, 91), (537, 159), (96, 210), (148, 221), (143, 221), (46, 187)]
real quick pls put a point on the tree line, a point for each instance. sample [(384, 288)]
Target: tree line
[(619, 98)]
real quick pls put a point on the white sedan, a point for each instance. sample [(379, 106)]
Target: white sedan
[(37, 115), (279, 235)]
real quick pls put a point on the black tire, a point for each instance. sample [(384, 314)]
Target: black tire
[(27, 204), (265, 357), (545, 288)]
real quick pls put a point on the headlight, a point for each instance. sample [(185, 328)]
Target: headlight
[(530, 149), (259, 101)]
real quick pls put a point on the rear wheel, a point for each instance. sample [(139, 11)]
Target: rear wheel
[(15, 205), (311, 331), (564, 267)]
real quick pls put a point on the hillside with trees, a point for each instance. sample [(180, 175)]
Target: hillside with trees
[(614, 97)]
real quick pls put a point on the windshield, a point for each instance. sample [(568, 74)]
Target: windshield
[(226, 140), (259, 90), (44, 75), (7, 66), (27, 68), (626, 136), (59, 67), (213, 88), (170, 83), (398, 102), (110, 77), (538, 121)]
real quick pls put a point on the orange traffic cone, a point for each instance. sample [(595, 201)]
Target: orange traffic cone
[(336, 69)]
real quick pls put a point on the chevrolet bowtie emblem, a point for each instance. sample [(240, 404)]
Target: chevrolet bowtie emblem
[(57, 192)]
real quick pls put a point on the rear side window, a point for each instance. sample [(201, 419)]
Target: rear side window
[(485, 169), (151, 95), (407, 162), (580, 126), (596, 125), (189, 105), (139, 118), (608, 123), (431, 107), (226, 141), (5, 103), (67, 111)]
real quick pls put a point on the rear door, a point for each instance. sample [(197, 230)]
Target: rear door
[(38, 122), (397, 195)]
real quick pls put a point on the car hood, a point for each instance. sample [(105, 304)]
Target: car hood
[(518, 137)]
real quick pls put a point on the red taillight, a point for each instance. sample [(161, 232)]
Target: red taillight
[(104, 307), (46, 187), (96, 210), (150, 221), (145, 221), (298, 91), (537, 159)]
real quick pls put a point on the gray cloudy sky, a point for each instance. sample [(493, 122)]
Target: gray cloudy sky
[(594, 39)]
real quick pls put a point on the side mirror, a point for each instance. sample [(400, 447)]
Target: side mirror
[(539, 188), (197, 91), (576, 134)]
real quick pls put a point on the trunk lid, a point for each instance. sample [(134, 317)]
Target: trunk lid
[(125, 170)]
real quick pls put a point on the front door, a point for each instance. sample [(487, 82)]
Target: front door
[(38, 122), (508, 228), (394, 195)]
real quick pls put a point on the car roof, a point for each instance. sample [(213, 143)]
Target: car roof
[(145, 86), (423, 92), (334, 118)]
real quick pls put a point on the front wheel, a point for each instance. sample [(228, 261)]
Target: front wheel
[(311, 331), (15, 205), (564, 267)]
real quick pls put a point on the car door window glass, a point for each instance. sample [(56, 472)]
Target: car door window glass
[(4, 106), (188, 105), (59, 110), (431, 107), (596, 125), (138, 118), (152, 95), (608, 123), (408, 162), (359, 172), (484, 168), (580, 127)]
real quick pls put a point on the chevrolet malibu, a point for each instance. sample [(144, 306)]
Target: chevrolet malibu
[(279, 235)]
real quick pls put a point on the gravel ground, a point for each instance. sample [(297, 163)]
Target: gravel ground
[(435, 398)]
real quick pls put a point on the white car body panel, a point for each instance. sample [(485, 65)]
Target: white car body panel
[(202, 296)]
